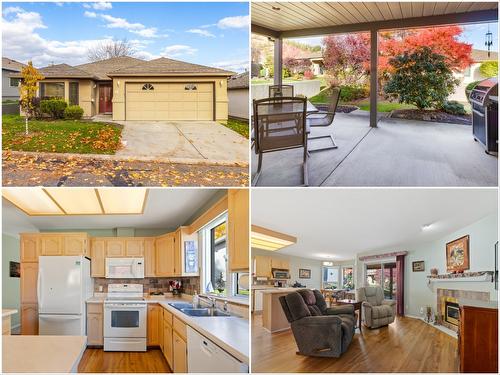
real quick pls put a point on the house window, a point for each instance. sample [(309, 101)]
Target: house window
[(148, 87), (190, 87), (14, 82), (49, 90), (73, 93), (331, 277), (347, 278)]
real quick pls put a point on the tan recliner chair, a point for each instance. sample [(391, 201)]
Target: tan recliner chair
[(377, 311)]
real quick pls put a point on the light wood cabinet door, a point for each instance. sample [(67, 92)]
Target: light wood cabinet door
[(154, 318), (149, 258), (95, 329), (115, 248), (134, 248), (75, 245), (98, 257), (167, 343), (178, 253), (51, 245), (30, 248), (160, 330), (262, 265), (29, 281), (180, 354), (165, 258), (279, 263), (29, 319), (238, 229)]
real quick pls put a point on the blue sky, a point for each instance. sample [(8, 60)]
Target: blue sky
[(214, 34)]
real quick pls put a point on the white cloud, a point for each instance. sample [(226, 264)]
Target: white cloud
[(178, 50), (232, 65), (9, 10), (89, 14), (236, 22), (99, 5), (136, 28), (201, 32), (59, 4)]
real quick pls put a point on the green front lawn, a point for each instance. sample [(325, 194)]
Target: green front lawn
[(73, 136), (239, 126)]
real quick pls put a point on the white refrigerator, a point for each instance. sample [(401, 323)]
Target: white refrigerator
[(64, 284)]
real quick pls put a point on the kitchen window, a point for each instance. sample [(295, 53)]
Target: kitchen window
[(49, 90), (14, 82), (73, 93)]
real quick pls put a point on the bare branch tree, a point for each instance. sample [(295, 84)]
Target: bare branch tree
[(109, 49)]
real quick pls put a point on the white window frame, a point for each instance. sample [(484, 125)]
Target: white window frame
[(339, 275), (378, 261), (10, 82)]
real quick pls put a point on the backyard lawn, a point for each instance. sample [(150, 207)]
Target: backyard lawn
[(239, 126), (71, 136)]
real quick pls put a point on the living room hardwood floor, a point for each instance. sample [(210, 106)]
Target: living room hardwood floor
[(407, 345)]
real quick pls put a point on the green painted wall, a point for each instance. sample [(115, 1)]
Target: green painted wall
[(10, 285)]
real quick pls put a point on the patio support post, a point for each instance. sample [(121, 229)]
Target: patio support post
[(373, 76), (278, 60)]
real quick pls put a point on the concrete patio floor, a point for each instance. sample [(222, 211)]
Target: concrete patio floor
[(396, 153), (183, 141)]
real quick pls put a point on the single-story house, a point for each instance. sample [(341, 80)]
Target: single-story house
[(134, 89), (238, 94), (10, 85)]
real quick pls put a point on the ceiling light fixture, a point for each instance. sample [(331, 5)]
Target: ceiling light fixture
[(427, 226), (38, 201), (266, 239)]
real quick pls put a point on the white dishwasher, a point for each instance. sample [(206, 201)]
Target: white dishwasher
[(205, 356)]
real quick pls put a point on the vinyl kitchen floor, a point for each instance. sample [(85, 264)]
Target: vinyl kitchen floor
[(97, 360)]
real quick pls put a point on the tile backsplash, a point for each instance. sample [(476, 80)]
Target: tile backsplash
[(152, 284)]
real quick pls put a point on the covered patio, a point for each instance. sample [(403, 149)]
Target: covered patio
[(374, 150)]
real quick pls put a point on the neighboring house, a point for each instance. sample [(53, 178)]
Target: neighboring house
[(133, 89), (237, 92), (10, 85), (471, 73), (317, 66)]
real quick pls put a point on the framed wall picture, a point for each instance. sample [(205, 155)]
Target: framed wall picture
[(14, 269), (304, 273), (457, 255), (418, 266)]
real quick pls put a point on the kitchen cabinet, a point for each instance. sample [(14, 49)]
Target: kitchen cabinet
[(154, 317), (75, 244), (95, 324), (30, 248), (29, 319), (165, 255), (167, 338), (149, 258), (177, 253), (51, 245), (180, 354), (262, 266), (115, 247), (98, 257), (238, 229), (280, 263), (29, 280), (134, 247), (160, 330)]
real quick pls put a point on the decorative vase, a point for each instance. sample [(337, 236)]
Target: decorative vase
[(434, 271)]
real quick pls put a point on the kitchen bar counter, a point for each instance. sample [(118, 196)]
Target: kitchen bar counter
[(8, 312), (49, 354), (6, 320)]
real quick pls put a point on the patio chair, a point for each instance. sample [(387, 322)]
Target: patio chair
[(280, 125), (325, 118), (280, 91)]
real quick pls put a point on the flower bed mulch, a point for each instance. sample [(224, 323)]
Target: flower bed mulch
[(432, 116), (340, 108)]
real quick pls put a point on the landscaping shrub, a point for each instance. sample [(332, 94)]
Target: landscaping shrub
[(349, 93), (453, 107), (422, 78), (489, 68), (308, 74), (73, 112), (470, 87), (54, 107)]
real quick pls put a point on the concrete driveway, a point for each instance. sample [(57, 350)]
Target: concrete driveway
[(189, 141)]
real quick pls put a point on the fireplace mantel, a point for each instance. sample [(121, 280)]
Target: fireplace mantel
[(484, 276)]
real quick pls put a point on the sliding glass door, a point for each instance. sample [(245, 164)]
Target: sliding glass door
[(384, 275)]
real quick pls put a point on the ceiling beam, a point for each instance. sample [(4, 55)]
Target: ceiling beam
[(479, 16), (256, 29)]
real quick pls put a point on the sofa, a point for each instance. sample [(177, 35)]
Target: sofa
[(318, 330), (376, 310)]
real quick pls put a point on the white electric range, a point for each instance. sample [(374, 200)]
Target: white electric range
[(125, 318)]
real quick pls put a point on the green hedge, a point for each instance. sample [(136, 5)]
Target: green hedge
[(53, 107), (453, 107), (73, 112), (351, 92)]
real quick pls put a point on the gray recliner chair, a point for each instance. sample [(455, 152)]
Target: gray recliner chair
[(319, 331), (377, 311)]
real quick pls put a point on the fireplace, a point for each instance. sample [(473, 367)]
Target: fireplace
[(451, 313)]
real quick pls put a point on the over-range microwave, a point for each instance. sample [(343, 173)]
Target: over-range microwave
[(281, 274), (124, 268)]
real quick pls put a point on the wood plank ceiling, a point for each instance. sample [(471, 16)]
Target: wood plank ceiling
[(286, 16)]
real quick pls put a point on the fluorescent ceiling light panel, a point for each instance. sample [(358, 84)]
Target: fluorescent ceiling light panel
[(76, 201), (32, 200), (125, 200), (266, 239)]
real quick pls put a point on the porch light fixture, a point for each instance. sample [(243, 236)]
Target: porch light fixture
[(37, 201), (488, 40), (266, 239)]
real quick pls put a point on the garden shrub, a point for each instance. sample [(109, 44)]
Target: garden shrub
[(453, 107), (308, 74), (349, 93), (73, 112), (53, 107), (489, 68), (470, 87)]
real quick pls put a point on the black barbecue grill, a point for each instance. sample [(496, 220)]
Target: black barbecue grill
[(484, 101)]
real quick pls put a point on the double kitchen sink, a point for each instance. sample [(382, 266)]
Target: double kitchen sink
[(189, 309)]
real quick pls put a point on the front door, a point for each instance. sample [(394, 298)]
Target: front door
[(105, 96)]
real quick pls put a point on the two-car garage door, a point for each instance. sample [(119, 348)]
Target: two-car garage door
[(169, 101)]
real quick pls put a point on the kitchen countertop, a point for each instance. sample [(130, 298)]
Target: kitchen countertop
[(49, 354), (279, 290), (8, 312)]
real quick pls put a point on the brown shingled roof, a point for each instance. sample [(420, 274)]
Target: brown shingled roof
[(101, 68), (164, 66), (480, 55), (238, 81), (61, 71), (12, 65)]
